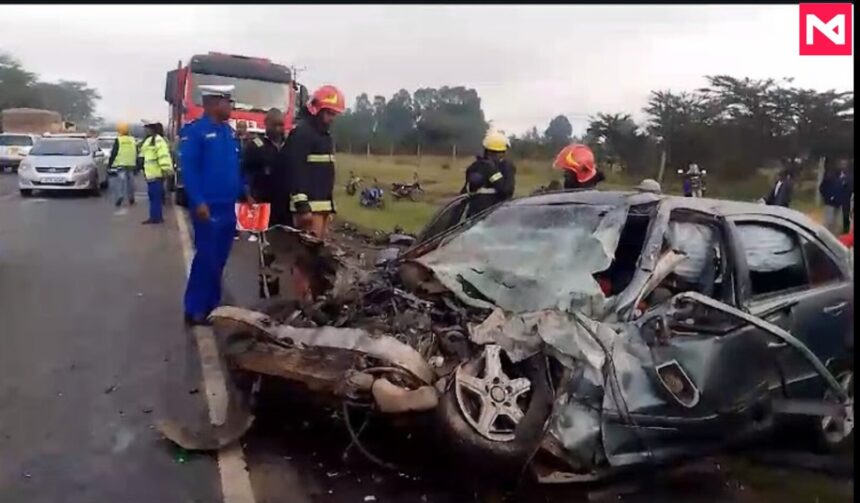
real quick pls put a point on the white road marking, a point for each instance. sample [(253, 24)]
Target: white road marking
[(235, 481)]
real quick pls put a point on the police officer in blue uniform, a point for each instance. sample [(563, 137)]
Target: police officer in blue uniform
[(209, 152)]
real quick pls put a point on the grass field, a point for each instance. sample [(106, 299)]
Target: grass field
[(442, 179)]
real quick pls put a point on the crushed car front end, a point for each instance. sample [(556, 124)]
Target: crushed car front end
[(539, 334)]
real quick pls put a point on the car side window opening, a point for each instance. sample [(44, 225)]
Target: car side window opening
[(821, 268), (774, 258), (618, 276)]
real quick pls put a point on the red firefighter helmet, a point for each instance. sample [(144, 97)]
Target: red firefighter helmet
[(577, 158), (327, 98)]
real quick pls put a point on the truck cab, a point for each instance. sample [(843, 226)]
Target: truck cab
[(259, 85)]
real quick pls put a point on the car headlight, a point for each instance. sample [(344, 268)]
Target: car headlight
[(26, 165), (82, 168)]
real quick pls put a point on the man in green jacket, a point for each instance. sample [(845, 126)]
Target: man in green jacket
[(157, 164)]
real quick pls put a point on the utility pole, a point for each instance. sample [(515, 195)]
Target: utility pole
[(294, 71)]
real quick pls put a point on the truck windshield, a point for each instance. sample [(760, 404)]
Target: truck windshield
[(14, 140), (254, 95)]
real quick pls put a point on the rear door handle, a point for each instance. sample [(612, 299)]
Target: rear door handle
[(835, 309)]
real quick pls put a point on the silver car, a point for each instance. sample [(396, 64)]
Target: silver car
[(63, 163), (13, 148)]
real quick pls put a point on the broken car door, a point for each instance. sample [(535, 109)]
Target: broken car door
[(710, 370), (796, 284)]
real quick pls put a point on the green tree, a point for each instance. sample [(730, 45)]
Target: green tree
[(75, 101), (16, 85), (558, 132)]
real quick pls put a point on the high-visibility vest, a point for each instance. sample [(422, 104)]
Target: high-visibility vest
[(126, 155), (156, 158)]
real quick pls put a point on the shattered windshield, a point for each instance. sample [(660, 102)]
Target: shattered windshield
[(526, 258)]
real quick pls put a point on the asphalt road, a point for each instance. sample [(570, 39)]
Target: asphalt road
[(92, 351)]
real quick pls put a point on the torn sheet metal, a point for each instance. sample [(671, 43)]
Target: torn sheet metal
[(385, 348), (528, 259)]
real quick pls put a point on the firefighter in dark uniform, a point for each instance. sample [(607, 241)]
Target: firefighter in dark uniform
[(491, 178), (311, 161), (311, 154), (265, 163)]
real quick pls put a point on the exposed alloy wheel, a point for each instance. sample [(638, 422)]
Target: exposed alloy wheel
[(491, 402), (834, 433), (492, 415)]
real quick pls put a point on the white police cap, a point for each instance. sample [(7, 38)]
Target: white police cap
[(217, 91)]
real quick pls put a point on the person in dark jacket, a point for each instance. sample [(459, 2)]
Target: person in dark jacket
[(780, 194), (577, 163), (265, 163), (836, 188), (311, 158), (491, 178)]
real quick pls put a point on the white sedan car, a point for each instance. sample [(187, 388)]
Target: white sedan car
[(63, 163)]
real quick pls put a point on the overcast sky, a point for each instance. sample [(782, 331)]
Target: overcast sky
[(528, 63)]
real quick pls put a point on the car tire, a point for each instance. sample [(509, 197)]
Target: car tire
[(26, 192), (103, 185), (832, 436), (95, 188), (475, 451)]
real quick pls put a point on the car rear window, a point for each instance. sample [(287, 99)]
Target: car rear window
[(14, 140), (105, 143), (774, 258), (64, 146)]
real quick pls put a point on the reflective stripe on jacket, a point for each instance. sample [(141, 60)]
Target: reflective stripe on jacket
[(156, 157), (311, 158), (126, 156)]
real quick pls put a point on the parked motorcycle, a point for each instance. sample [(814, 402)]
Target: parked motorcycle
[(412, 191), (371, 197), (694, 181), (353, 185)]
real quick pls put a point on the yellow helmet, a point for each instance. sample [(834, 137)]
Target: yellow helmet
[(496, 142), (122, 128)]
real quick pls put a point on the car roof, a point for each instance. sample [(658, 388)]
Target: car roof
[(717, 207), (52, 138), (31, 135), (66, 135)]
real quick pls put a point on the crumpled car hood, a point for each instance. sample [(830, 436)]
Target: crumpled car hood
[(527, 268)]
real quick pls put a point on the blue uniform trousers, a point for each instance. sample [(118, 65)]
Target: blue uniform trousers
[(155, 191), (212, 242)]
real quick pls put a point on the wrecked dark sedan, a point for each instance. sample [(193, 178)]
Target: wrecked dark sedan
[(581, 333)]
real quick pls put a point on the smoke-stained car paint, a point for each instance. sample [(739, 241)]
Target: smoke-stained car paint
[(581, 332)]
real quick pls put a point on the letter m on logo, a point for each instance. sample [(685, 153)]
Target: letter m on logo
[(826, 29)]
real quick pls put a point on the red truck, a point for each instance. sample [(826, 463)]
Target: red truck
[(259, 86)]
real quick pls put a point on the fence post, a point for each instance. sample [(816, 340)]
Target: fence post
[(418, 154), (818, 178), (454, 154), (368, 149), (662, 167)]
